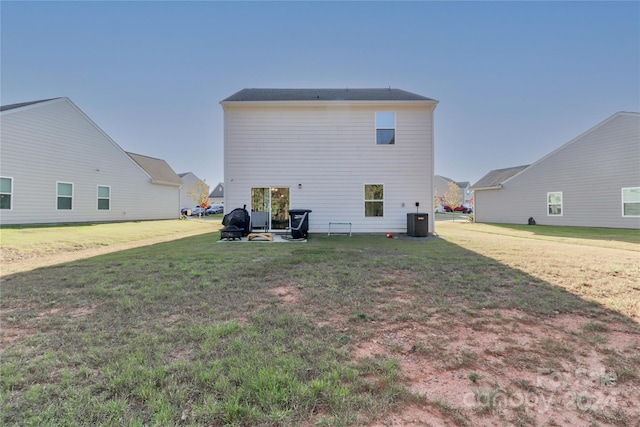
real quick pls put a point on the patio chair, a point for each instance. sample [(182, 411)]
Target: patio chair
[(260, 221)]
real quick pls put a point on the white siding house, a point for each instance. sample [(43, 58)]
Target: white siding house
[(362, 156), (191, 182), (57, 166), (591, 181), (441, 187)]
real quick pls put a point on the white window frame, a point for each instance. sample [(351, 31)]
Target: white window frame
[(10, 193), (554, 204), (58, 195), (623, 202), (364, 196), (380, 126), (103, 198)]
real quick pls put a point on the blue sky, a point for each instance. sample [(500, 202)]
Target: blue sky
[(514, 80)]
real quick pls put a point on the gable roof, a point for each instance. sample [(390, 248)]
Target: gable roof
[(218, 191), (23, 104), (497, 177), (385, 94), (159, 170)]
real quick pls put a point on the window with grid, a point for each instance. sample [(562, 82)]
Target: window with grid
[(6, 192), (65, 196), (373, 200), (631, 201), (104, 197), (554, 203)]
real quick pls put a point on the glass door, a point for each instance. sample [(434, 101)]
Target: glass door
[(275, 202), (279, 208)]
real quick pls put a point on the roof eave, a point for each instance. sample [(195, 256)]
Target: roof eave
[(324, 102)]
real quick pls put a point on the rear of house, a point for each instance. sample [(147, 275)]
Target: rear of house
[(592, 181), (362, 156), (57, 166)]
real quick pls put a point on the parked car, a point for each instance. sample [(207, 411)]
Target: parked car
[(462, 208), (215, 209), (197, 211), (185, 211)]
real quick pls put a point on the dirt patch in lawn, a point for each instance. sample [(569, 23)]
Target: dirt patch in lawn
[(512, 372)]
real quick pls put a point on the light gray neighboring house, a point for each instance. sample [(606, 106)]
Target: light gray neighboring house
[(441, 187), (58, 166), (191, 182), (591, 181), (358, 156), (216, 197)]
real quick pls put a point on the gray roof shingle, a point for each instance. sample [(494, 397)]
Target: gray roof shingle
[(496, 177), (386, 94), (158, 169)]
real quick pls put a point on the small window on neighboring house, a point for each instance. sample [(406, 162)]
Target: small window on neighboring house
[(373, 200), (385, 128), (631, 201), (65, 196), (6, 192), (104, 198), (554, 203)]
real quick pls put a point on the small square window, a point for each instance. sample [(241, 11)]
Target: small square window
[(385, 127)]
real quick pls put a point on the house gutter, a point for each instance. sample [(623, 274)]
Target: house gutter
[(495, 187), (159, 182)]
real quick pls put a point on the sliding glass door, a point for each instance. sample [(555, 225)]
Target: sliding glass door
[(275, 201)]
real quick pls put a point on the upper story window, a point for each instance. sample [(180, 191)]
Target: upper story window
[(104, 198), (6, 192), (631, 201), (385, 127), (554, 203), (373, 200), (65, 196)]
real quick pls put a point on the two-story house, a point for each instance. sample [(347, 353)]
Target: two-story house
[(361, 156)]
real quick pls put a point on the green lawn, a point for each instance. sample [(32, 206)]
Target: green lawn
[(200, 332)]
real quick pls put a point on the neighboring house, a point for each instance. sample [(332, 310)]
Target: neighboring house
[(466, 193), (360, 156), (216, 197), (190, 187), (441, 187), (591, 181), (58, 166)]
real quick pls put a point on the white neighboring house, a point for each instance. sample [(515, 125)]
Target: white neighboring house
[(441, 187), (591, 181), (359, 156), (190, 181), (58, 166)]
